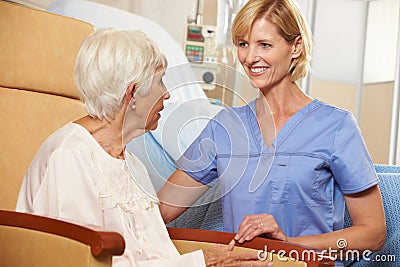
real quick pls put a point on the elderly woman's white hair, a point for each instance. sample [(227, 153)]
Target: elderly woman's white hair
[(107, 62)]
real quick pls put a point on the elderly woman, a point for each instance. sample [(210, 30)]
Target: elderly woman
[(81, 173)]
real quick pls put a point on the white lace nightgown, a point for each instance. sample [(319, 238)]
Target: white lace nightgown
[(71, 177)]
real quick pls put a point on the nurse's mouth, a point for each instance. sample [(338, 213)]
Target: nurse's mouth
[(257, 71)]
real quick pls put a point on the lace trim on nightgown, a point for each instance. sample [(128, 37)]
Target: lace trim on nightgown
[(116, 188)]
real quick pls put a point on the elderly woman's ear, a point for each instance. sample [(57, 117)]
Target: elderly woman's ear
[(130, 91)]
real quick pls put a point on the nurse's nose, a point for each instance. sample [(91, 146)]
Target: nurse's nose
[(252, 55)]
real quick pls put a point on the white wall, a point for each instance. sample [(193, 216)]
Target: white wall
[(383, 27), (171, 14), (337, 40)]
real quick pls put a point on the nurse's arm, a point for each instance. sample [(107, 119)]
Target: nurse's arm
[(178, 194), (368, 231)]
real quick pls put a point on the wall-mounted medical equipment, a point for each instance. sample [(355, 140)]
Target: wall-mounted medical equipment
[(200, 49), (209, 48)]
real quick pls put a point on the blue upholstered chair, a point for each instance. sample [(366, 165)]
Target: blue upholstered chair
[(383, 168), (390, 187)]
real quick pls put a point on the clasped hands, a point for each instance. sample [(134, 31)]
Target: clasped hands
[(258, 224), (251, 227)]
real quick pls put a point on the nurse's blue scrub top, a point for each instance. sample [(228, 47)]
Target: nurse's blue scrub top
[(317, 156)]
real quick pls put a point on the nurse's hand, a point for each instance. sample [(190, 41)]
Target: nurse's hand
[(222, 255), (258, 224)]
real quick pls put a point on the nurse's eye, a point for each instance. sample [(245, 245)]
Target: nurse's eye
[(242, 44), (265, 45)]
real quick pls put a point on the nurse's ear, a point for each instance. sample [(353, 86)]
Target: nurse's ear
[(130, 92), (297, 47)]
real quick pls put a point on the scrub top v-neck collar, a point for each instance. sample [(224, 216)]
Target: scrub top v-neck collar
[(285, 130)]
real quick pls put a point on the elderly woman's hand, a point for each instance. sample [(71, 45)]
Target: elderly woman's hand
[(258, 224), (222, 255)]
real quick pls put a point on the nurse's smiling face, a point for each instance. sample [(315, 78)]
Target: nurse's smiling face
[(265, 55)]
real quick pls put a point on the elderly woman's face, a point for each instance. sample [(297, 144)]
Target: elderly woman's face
[(150, 105)]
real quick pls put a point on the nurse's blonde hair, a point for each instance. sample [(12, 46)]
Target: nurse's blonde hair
[(108, 61), (289, 19)]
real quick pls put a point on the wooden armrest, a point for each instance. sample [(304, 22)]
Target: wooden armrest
[(209, 236), (102, 243)]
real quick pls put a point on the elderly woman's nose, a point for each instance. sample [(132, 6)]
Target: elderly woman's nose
[(166, 95)]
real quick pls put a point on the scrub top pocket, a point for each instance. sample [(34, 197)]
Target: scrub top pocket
[(299, 175)]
